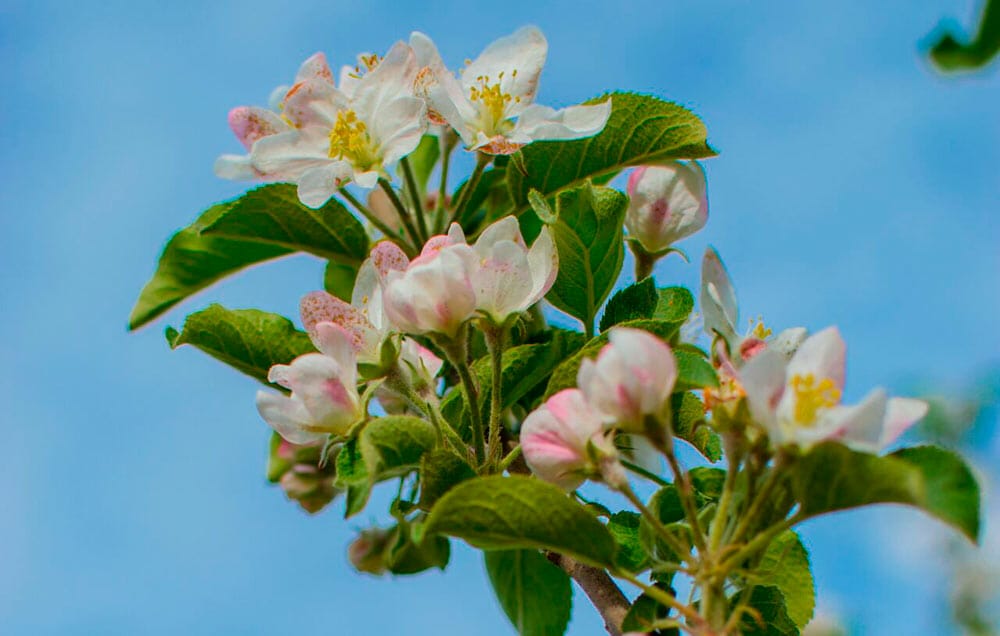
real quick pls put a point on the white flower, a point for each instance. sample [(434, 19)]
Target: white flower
[(666, 203), (632, 378), (497, 88), (347, 137), (324, 397), (434, 294), (555, 439), (250, 123), (508, 277), (721, 315), (798, 401)]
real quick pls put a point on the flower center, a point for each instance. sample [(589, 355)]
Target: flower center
[(349, 140), (759, 331), (366, 64), (492, 101), (811, 397)]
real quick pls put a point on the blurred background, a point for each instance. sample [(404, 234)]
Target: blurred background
[(855, 186)]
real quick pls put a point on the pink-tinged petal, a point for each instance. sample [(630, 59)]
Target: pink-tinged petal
[(823, 355), (387, 257), (859, 426), (280, 374), (540, 123), (313, 103), (287, 416), (554, 438), (315, 67), (718, 298), (667, 203), (506, 229), (326, 388), (338, 343), (250, 123), (751, 347), (633, 179), (438, 86), (319, 306), (502, 281), (763, 380), (900, 415)]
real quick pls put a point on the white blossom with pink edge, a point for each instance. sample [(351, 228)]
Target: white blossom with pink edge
[(666, 204), (798, 401), (631, 379), (250, 123), (557, 437), (354, 136), (324, 398), (499, 86), (721, 315)]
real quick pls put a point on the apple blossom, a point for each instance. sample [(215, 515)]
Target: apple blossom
[(721, 315), (798, 401), (666, 203), (561, 439), (497, 87), (631, 379), (324, 396), (250, 123), (342, 137)]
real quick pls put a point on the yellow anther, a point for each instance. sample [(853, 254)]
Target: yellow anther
[(760, 331), (812, 396), (492, 97), (349, 140)]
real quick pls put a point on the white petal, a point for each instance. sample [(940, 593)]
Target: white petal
[(718, 298), (823, 355), (318, 184), (502, 281), (763, 380), (543, 259), (858, 426), (519, 56), (399, 128), (506, 229), (290, 154), (315, 67), (788, 341), (575, 122), (236, 168), (287, 417), (900, 415)]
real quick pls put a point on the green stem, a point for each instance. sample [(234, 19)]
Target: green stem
[(644, 261), (667, 599), (456, 350), (720, 521), (448, 140), (404, 216), (482, 160), (759, 542), (682, 553), (418, 206), (639, 470), (750, 516), (495, 337), (588, 328), (374, 220), (685, 491), (509, 459)]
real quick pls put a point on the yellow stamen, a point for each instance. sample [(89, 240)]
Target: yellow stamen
[(494, 101), (366, 64), (349, 139), (812, 396), (760, 331)]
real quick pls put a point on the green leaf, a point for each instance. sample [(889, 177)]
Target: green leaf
[(272, 214), (440, 470), (352, 476), (642, 130), (950, 54), (393, 446), (497, 513), (523, 369), (673, 304), (631, 303), (564, 375), (588, 237), (338, 279), (774, 619), (535, 594), (645, 615), (624, 527), (407, 556), (832, 477), (248, 340), (708, 483), (689, 425), (693, 371), (191, 262), (423, 159), (666, 505), (785, 566)]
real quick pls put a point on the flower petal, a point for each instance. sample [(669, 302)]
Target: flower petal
[(520, 57), (250, 123), (543, 260), (574, 122), (763, 380), (718, 299), (823, 355), (900, 415), (287, 416)]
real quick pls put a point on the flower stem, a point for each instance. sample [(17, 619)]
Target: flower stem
[(644, 261), (685, 490), (404, 215), (456, 349), (374, 220), (447, 141), (418, 206), (667, 599), (682, 553), (509, 459), (721, 520), (495, 337), (482, 160)]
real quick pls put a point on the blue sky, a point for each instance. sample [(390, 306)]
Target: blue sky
[(854, 187)]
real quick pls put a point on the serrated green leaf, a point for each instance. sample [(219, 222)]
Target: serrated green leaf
[(832, 477), (272, 214), (689, 425), (708, 483), (771, 612), (624, 527), (785, 566), (666, 505), (393, 446), (673, 304), (588, 238), (350, 465), (631, 303), (249, 340), (516, 512), (191, 262), (693, 371), (535, 594), (440, 471), (564, 375), (338, 279), (641, 130)]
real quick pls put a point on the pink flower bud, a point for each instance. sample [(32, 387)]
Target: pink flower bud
[(667, 203), (324, 397), (631, 379), (554, 439)]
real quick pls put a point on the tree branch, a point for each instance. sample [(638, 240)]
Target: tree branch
[(600, 588)]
